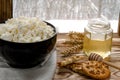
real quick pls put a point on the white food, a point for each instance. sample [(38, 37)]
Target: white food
[(25, 30)]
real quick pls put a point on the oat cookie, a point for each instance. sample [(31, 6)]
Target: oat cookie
[(96, 70), (93, 69)]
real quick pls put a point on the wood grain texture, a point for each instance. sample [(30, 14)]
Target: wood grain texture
[(5, 10), (64, 74)]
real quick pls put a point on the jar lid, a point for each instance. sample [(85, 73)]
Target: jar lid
[(99, 24)]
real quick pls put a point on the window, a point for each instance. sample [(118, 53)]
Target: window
[(67, 11)]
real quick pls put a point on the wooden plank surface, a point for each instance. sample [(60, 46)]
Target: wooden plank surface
[(64, 74), (5, 10)]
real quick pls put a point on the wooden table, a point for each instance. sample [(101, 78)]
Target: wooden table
[(64, 74)]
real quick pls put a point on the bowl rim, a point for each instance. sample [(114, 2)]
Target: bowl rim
[(55, 33)]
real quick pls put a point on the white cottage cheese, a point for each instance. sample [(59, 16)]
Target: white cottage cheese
[(25, 30)]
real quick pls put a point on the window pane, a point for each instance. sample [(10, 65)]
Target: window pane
[(66, 9)]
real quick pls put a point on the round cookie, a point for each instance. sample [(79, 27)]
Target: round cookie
[(95, 69)]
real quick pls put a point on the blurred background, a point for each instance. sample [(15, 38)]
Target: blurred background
[(66, 9)]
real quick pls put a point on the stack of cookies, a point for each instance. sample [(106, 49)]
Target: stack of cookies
[(93, 69)]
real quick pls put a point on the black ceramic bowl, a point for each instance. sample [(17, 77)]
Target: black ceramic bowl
[(27, 55)]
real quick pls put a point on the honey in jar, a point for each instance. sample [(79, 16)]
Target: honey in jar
[(98, 37)]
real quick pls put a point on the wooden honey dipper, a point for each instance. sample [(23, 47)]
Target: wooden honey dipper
[(97, 57)]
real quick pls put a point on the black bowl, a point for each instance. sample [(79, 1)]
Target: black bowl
[(27, 55)]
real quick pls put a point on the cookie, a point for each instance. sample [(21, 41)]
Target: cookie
[(96, 70), (93, 69), (70, 60)]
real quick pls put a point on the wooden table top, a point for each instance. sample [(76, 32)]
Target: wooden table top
[(64, 74)]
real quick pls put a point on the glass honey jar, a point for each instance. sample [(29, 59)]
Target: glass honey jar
[(98, 37)]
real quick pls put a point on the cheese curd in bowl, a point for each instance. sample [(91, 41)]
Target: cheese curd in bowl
[(25, 30), (26, 42)]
